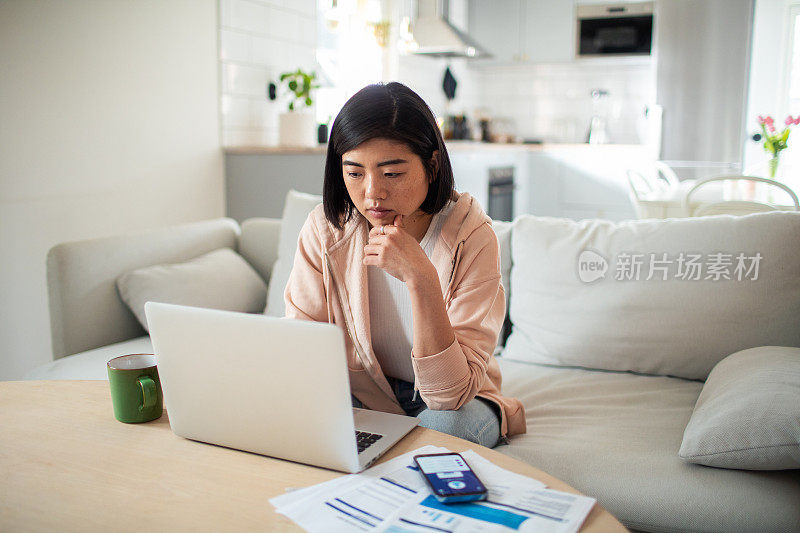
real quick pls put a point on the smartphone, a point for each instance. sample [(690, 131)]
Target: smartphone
[(450, 477)]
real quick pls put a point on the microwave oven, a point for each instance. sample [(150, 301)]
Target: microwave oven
[(614, 29)]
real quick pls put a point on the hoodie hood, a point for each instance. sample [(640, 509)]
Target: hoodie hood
[(466, 217)]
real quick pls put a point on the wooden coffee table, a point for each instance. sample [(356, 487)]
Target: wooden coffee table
[(66, 464)]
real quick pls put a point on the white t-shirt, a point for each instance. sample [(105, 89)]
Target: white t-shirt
[(390, 314)]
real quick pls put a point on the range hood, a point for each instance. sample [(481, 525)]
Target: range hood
[(436, 37)]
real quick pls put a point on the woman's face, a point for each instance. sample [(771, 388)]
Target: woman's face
[(384, 178)]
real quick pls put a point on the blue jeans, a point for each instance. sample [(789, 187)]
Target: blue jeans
[(477, 421)]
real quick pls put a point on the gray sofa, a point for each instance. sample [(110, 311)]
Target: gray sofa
[(609, 370)]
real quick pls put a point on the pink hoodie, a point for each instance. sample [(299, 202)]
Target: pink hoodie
[(328, 283)]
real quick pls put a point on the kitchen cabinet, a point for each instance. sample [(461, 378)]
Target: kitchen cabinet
[(549, 31), (473, 167), (523, 31), (583, 181), (495, 26), (570, 181)]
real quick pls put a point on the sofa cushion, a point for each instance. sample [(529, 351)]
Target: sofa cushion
[(221, 279), (90, 364), (577, 300), (615, 437), (295, 212), (748, 414), (258, 244)]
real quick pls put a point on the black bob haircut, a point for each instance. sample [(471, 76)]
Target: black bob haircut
[(390, 111)]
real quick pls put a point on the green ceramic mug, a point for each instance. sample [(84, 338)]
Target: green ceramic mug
[(135, 388)]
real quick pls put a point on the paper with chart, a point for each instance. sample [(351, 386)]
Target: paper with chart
[(358, 502), (514, 503), (394, 497)]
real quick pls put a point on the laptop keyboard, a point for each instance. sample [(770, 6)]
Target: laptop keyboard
[(364, 440)]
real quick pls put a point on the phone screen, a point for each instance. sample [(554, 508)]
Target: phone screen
[(450, 477)]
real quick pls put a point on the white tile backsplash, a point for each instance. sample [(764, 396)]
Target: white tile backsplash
[(306, 7), (277, 22), (235, 46), (259, 39), (552, 101), (245, 80), (308, 30), (247, 15), (237, 112), (264, 50)]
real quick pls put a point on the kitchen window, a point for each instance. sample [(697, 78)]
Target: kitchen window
[(348, 52), (790, 92)]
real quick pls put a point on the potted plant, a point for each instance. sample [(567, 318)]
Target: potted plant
[(297, 126)]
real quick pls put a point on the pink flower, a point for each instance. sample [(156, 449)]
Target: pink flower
[(760, 120), (769, 120), (797, 121), (789, 120)]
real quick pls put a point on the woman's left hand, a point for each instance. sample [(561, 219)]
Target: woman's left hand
[(396, 251)]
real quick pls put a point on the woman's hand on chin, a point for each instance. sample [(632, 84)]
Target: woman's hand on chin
[(396, 251)]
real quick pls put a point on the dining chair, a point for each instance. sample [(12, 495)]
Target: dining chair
[(735, 207), (666, 175), (661, 181), (657, 184)]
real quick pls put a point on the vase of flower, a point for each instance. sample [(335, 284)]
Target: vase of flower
[(772, 166), (774, 142)]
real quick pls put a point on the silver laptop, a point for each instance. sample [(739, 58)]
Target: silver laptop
[(272, 386)]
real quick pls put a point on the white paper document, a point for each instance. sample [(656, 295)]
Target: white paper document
[(394, 497), (358, 502)]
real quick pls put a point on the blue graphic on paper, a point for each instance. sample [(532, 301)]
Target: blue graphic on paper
[(477, 511)]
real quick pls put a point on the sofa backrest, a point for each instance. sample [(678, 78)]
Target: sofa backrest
[(258, 244), (296, 208), (669, 297), (85, 309), (503, 231)]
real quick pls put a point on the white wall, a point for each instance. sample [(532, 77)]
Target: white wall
[(109, 123)]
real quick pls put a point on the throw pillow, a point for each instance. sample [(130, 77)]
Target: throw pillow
[(295, 212), (748, 413), (221, 279), (668, 297)]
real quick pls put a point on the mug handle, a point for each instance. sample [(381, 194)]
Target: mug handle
[(149, 393)]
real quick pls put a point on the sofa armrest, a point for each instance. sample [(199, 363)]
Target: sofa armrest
[(86, 311), (258, 244)]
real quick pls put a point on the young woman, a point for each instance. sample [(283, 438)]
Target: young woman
[(409, 269)]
